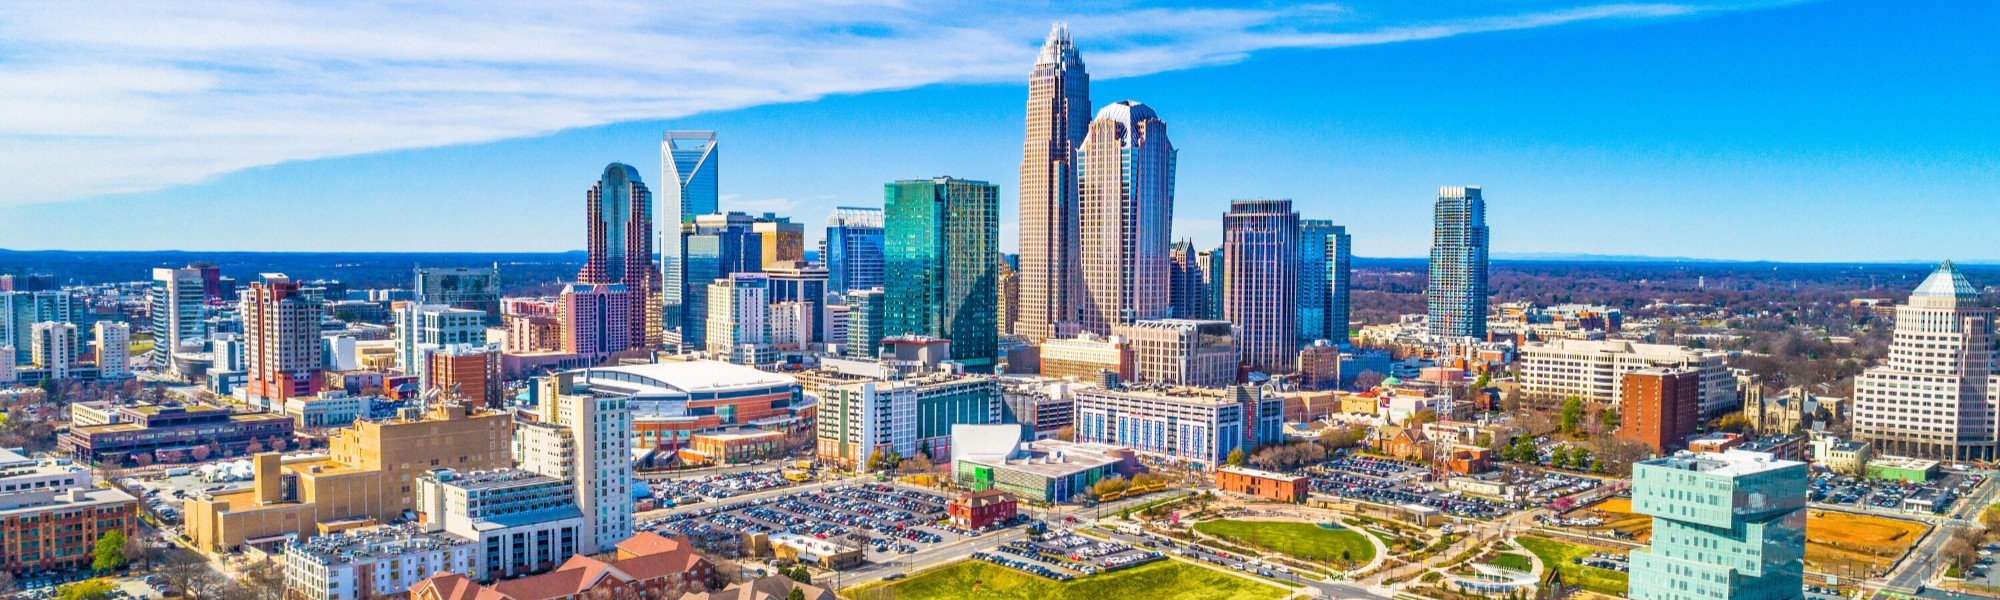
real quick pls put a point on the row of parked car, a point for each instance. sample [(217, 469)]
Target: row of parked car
[(1024, 565)]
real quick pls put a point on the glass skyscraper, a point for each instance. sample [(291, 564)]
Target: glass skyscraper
[(1457, 292), (941, 241), (1315, 288), (712, 247), (853, 253), (621, 243), (1726, 526), (1260, 256), (1125, 205), (688, 160)]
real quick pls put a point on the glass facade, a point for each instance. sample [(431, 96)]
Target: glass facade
[(688, 160), (1725, 526), (1458, 287), (853, 254), (713, 247), (941, 243)]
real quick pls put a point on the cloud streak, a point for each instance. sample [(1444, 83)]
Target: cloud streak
[(151, 95)]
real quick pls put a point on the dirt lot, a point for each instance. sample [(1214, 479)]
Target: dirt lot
[(1837, 543)]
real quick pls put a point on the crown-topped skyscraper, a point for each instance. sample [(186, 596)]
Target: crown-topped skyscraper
[(1058, 119)]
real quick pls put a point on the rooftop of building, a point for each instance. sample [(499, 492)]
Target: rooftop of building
[(1849, 446), (685, 377), (1732, 463), (1769, 442), (368, 544), (734, 436), (1946, 282), (812, 544), (1903, 463), (1261, 474), (1182, 394), (1612, 347), (984, 498), (71, 498), (489, 479)]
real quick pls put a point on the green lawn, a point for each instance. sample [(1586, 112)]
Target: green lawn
[(1305, 541), (981, 580), (1557, 555), (1513, 561)]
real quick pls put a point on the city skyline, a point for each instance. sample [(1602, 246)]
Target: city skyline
[(1362, 174)]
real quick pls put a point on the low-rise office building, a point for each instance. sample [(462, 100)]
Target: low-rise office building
[(174, 433), (1262, 484), (517, 522), (1191, 427), (51, 515), (378, 562), (990, 457)]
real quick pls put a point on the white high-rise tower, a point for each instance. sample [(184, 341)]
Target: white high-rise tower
[(1934, 395)]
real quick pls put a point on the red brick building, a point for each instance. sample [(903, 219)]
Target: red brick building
[(1659, 407), (470, 373), (980, 509), (646, 566), (1469, 460), (1262, 484)]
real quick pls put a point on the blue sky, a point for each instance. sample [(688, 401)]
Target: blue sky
[(1816, 131)]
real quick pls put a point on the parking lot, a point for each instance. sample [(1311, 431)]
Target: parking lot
[(1933, 497), (885, 521), (162, 494), (692, 489), (1396, 483)]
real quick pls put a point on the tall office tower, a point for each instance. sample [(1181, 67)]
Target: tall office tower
[(621, 245), (1260, 261), (853, 250), (866, 312), (1214, 283), (1728, 525), (738, 325), (114, 342), (1315, 287), (175, 305), (596, 319), (1007, 303), (1125, 202), (212, 288), (1186, 294), (940, 239), (585, 439), (712, 247), (781, 240), (472, 289), (32, 282), (1933, 397), (20, 311), (282, 349), (688, 159), (1457, 293), (53, 345), (804, 283), (1058, 119), (421, 328), (1659, 407), (1340, 278)]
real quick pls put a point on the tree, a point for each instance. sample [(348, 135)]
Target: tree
[(1110, 486), (138, 552), (109, 554), (1608, 418), (1572, 414), (1732, 423), (1236, 457), (89, 589), (801, 575), (1067, 434), (795, 594), (7, 584), (1368, 379), (1511, 401), (1559, 457), (1422, 417), (346, 315)]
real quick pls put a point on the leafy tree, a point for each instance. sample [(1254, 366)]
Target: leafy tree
[(1608, 418), (89, 589), (795, 594), (1236, 457), (109, 554), (1572, 414), (1422, 417), (1559, 457), (1109, 486)]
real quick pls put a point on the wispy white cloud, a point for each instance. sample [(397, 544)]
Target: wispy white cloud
[(156, 94)]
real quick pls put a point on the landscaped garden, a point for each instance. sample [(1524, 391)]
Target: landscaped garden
[(1304, 541), (982, 580), (1561, 557)]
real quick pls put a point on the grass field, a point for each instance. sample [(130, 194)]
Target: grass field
[(1513, 561), (1304, 541), (1845, 543), (1558, 556), (981, 580)]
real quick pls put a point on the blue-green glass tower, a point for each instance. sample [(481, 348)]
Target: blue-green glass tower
[(940, 240), (1725, 526)]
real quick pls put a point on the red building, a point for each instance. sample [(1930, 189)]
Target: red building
[(977, 510), (646, 566), (281, 341), (597, 319), (1659, 407), (470, 373), (1262, 484)]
